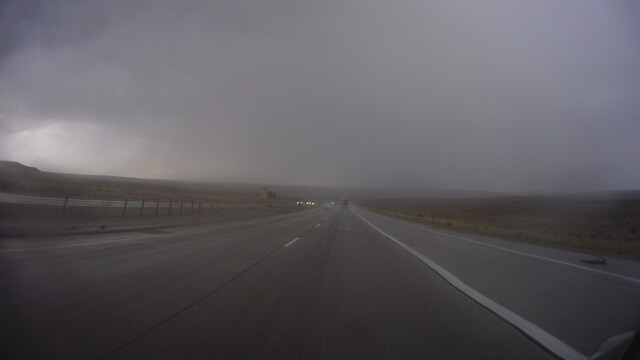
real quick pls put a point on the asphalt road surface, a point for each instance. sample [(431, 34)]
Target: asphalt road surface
[(326, 284)]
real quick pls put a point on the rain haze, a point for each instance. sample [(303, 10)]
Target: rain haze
[(498, 96), (309, 179)]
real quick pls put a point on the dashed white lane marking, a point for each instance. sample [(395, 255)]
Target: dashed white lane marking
[(627, 278), (317, 225), (542, 337), (291, 242)]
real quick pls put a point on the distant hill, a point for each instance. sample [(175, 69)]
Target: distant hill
[(363, 193), (16, 170), (27, 180), (17, 178)]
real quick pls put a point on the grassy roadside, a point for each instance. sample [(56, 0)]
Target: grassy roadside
[(189, 200), (610, 228), (16, 178)]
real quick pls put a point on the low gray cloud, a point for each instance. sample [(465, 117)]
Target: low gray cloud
[(471, 95)]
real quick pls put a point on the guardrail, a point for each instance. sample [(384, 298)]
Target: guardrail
[(189, 206)]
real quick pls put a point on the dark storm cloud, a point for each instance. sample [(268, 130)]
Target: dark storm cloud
[(496, 96)]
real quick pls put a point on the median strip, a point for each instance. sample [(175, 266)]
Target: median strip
[(13, 250), (539, 335)]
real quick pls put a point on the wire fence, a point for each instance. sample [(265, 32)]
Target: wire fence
[(128, 207)]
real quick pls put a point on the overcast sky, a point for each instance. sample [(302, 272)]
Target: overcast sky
[(507, 95)]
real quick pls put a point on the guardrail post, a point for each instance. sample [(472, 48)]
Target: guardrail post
[(142, 207), (157, 207), (199, 207), (124, 209), (64, 207)]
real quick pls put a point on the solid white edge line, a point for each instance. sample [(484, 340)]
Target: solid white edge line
[(542, 337), (291, 242), (627, 278)]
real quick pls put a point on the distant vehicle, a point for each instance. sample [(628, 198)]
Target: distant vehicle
[(326, 205), (346, 202)]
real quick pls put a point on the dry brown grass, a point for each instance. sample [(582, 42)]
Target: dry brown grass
[(592, 225), (16, 178), (79, 188)]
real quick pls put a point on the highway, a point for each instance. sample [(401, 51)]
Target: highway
[(325, 284)]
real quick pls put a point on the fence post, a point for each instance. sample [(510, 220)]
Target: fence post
[(64, 207), (157, 206), (170, 202), (124, 209), (142, 207)]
